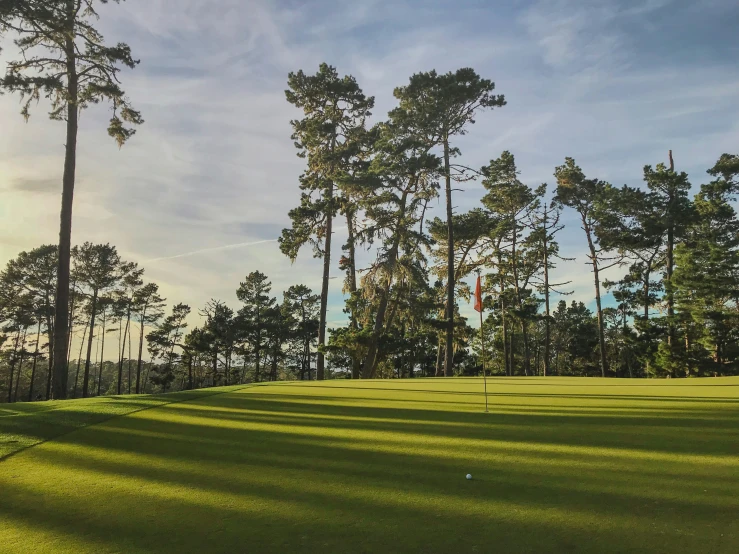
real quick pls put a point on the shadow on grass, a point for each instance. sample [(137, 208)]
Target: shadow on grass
[(270, 496), (685, 432), (34, 423), (259, 472), (478, 393)]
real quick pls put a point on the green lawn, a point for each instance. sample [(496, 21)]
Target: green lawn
[(559, 465), (23, 425)]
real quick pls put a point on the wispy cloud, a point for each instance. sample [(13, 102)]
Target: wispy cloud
[(208, 250), (612, 83)]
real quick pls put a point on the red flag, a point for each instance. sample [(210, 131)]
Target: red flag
[(478, 296)]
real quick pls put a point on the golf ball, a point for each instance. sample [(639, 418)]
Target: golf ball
[(469, 476)]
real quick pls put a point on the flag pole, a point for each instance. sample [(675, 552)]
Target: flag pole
[(482, 342)]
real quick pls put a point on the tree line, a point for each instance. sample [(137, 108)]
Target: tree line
[(675, 310), (675, 306), (109, 299)]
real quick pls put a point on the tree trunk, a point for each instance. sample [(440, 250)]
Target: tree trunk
[(356, 362), (512, 350), (215, 367), (257, 357), (20, 366), (70, 332), (526, 349), (394, 309), (61, 323), (687, 348), (320, 362), (601, 325), (92, 369), (35, 359), (504, 323), (146, 378), (306, 359), (50, 338), (120, 354), (670, 266), (123, 350), (274, 362), (519, 300), (646, 310), (86, 379), (129, 352), (102, 353), (547, 332), (79, 362), (370, 362), (668, 285), (141, 349), (440, 357), (449, 352), (12, 364), (646, 298), (189, 371)]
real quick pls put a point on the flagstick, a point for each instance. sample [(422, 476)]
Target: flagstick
[(484, 376)]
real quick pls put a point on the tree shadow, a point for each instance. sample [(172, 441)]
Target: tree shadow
[(265, 472)]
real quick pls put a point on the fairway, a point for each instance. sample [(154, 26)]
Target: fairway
[(558, 465)]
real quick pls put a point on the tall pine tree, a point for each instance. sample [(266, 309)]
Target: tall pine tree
[(335, 110), (64, 59), (441, 107)]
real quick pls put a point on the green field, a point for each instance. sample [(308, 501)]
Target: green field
[(558, 465)]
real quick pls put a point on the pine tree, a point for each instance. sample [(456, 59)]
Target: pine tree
[(220, 335), (513, 203), (35, 272), (99, 265), (64, 59), (440, 107), (254, 292), (588, 197), (335, 111), (546, 225), (394, 200), (706, 278), (148, 305), (470, 231), (633, 223), (673, 208), (302, 305), (162, 343), (131, 282)]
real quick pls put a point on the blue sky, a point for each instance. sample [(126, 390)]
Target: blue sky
[(201, 192)]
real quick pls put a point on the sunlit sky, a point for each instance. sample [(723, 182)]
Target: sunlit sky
[(200, 194)]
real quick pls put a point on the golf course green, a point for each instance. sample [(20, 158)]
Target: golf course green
[(558, 465)]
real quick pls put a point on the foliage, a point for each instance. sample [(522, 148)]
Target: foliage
[(672, 311)]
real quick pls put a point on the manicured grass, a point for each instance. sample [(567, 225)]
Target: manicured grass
[(24, 425), (559, 465)]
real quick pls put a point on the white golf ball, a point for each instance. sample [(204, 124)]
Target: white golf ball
[(469, 476)]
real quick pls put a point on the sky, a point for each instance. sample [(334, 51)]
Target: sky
[(200, 194)]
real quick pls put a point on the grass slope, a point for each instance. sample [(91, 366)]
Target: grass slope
[(559, 465)]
